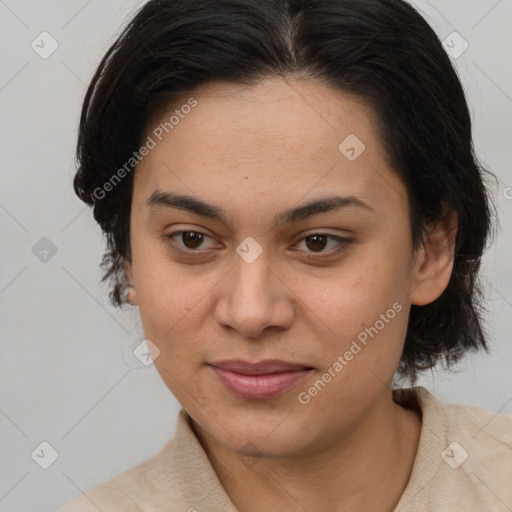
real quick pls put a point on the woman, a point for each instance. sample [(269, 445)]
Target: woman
[(290, 198)]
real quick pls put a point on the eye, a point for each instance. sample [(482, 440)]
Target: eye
[(190, 240), (315, 243)]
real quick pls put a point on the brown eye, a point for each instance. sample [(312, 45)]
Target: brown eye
[(192, 239), (317, 245), (191, 242), (316, 242)]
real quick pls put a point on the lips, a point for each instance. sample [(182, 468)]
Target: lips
[(257, 381)]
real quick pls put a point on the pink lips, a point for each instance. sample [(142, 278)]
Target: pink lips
[(257, 381)]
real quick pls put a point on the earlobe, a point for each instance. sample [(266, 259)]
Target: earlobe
[(433, 263), (131, 293)]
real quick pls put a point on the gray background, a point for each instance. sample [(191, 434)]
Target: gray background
[(68, 376)]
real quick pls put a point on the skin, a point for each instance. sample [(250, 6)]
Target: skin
[(255, 152)]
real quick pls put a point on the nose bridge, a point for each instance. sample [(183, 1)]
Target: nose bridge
[(252, 263), (253, 297), (252, 278)]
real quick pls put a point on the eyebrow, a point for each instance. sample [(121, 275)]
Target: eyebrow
[(195, 205)]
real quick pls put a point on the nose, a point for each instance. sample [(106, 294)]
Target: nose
[(254, 298)]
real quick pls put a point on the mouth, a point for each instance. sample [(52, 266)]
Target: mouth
[(259, 381)]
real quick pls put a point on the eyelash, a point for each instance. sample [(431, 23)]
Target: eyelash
[(343, 242)]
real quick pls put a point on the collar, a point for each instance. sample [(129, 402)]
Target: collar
[(201, 488)]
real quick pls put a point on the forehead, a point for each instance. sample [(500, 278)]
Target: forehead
[(275, 140)]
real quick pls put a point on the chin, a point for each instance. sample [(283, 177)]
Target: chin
[(258, 433), (258, 446)]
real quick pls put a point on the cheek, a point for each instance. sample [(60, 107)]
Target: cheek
[(181, 349), (173, 307), (166, 292), (363, 313), (352, 297)]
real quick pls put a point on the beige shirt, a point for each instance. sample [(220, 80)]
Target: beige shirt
[(463, 464)]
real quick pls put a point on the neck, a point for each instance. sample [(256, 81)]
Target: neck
[(366, 469)]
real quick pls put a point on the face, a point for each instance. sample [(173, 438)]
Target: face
[(278, 290)]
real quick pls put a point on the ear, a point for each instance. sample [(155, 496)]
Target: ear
[(131, 293), (433, 261)]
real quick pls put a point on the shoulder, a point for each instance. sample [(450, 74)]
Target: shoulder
[(177, 478), (474, 425), (478, 453), (487, 434), (494, 424), (104, 497), (464, 458), (137, 489)]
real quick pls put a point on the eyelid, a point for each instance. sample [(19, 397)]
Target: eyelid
[(321, 231)]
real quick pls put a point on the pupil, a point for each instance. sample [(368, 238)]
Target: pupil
[(195, 239), (319, 242)]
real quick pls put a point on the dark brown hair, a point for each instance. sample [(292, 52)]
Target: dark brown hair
[(382, 51)]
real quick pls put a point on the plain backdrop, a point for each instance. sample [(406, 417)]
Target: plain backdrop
[(68, 375)]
